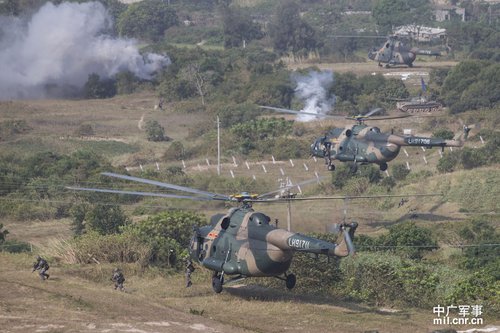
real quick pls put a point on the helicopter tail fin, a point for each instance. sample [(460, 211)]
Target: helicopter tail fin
[(345, 246)]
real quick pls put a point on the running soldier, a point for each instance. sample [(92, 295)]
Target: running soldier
[(118, 279), (189, 271), (42, 266)]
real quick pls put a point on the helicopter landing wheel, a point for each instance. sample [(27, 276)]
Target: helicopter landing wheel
[(354, 168), (217, 282), (331, 167), (290, 281), (383, 166)]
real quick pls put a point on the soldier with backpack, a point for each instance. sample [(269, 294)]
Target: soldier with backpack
[(118, 279), (43, 266)]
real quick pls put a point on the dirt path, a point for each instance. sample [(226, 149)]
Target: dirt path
[(70, 304)]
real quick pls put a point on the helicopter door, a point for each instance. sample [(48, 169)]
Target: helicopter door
[(200, 251)]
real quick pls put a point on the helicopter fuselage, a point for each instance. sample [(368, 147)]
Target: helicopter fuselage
[(242, 242), (366, 144)]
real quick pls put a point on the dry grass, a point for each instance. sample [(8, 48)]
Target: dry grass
[(82, 300)]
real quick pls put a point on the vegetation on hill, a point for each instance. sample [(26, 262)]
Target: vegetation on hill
[(240, 63)]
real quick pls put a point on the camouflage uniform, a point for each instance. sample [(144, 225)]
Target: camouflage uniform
[(189, 271), (43, 266), (118, 279)]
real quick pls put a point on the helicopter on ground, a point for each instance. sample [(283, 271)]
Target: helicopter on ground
[(242, 242), (363, 144), (395, 52)]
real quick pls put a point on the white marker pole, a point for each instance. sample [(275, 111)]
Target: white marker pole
[(407, 165), (248, 166), (305, 167), (422, 148), (140, 166), (282, 172), (440, 153), (208, 162), (232, 173), (157, 166), (387, 173), (264, 167), (234, 162), (425, 160), (406, 153), (291, 162), (274, 161), (254, 178), (315, 159), (481, 138), (183, 164)]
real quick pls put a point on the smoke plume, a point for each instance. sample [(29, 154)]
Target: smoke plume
[(312, 89), (55, 50)]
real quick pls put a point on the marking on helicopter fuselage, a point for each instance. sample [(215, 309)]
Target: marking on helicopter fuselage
[(419, 141), (212, 235), (298, 243)]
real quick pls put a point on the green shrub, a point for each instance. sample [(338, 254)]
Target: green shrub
[(155, 132), (14, 246), (118, 248), (443, 133), (167, 234), (399, 171)]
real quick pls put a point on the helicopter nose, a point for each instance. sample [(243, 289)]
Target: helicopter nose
[(371, 54), (316, 147)]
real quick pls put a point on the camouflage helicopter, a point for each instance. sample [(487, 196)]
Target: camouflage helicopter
[(363, 144), (242, 242), (395, 52)]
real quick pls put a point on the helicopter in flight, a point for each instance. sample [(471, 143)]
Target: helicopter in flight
[(395, 52), (242, 242), (363, 144)]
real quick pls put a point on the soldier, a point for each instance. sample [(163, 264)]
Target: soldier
[(118, 279), (189, 271), (43, 266)]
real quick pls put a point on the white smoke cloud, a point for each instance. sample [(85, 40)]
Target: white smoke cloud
[(312, 89), (59, 46)]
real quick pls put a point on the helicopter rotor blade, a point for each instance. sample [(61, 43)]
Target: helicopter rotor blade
[(282, 110), (309, 181), (376, 110), (357, 197), (212, 195), (147, 194)]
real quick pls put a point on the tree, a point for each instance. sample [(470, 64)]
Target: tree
[(399, 171), (289, 32), (97, 88), (392, 13), (238, 27), (167, 233), (147, 20), (103, 219), (409, 240), (155, 132), (197, 78)]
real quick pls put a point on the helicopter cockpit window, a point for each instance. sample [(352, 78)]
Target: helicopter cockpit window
[(260, 219), (225, 223), (375, 129)]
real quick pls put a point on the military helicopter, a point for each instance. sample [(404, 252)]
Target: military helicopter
[(395, 52), (242, 243), (363, 144)]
